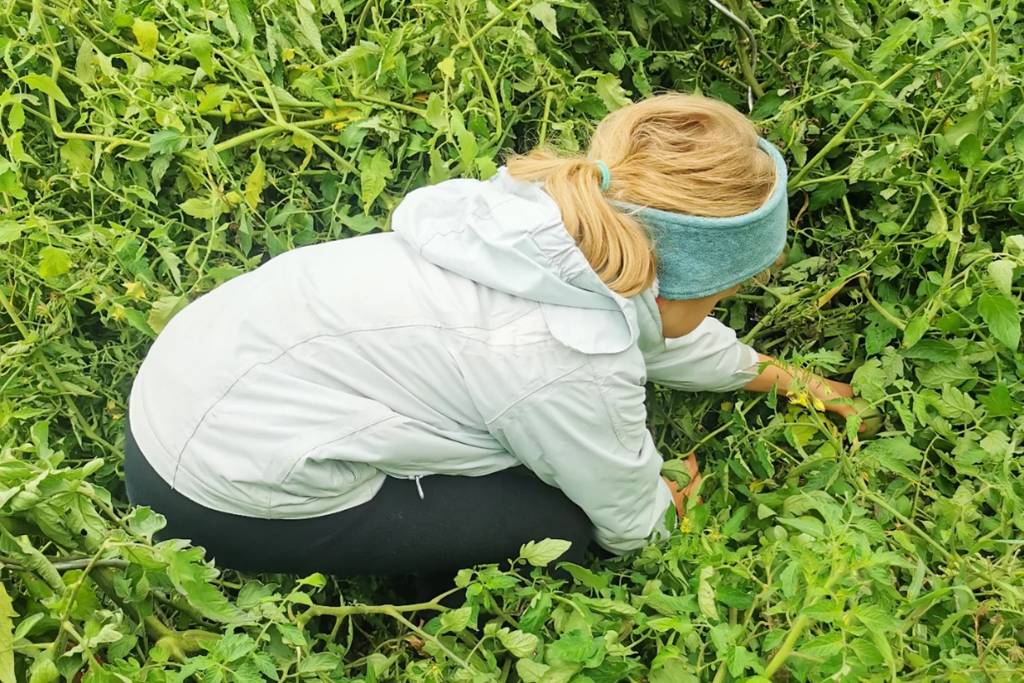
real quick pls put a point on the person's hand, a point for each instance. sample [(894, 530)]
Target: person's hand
[(839, 399), (681, 493)]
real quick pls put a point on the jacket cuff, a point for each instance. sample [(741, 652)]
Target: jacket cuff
[(655, 529)]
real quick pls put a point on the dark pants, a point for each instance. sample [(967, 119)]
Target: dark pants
[(460, 522)]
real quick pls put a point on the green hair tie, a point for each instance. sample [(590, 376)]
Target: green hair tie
[(606, 175)]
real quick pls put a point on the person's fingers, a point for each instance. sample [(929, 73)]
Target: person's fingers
[(694, 467)]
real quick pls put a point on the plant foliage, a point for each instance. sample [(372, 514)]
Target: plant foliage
[(153, 150)]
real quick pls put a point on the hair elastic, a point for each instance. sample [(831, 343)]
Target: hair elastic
[(606, 175)]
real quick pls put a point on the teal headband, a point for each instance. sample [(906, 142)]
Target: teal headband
[(700, 256)]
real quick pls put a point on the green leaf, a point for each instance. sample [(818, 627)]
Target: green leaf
[(375, 174), (543, 553), (53, 262), (706, 594), (9, 231), (970, 150), (518, 643), (805, 524), (7, 615), (209, 207), (531, 671), (898, 34), (46, 85), (456, 620), (192, 579), (545, 14), (167, 142), (202, 50), (308, 24), (1002, 317), (212, 97), (915, 329), (676, 471), (585, 577), (574, 647), (609, 89), (240, 15), (146, 35), (255, 183), (16, 116), (435, 114), (163, 310), (1001, 272), (447, 68), (998, 401), (893, 454)]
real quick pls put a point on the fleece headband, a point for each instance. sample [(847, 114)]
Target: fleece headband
[(699, 256)]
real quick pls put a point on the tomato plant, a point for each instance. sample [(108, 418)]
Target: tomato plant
[(153, 150)]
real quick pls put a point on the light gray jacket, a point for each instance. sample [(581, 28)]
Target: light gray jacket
[(473, 338)]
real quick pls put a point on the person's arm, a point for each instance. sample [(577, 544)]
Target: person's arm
[(835, 397), (586, 435)]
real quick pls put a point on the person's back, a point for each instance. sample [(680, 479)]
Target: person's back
[(505, 326)]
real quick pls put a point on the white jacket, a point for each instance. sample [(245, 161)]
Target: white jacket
[(473, 338)]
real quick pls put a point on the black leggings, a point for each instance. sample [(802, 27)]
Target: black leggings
[(460, 522)]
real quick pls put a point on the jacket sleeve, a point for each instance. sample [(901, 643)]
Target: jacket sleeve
[(586, 435), (710, 358)]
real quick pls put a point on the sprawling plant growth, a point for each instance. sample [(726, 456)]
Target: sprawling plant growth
[(152, 150)]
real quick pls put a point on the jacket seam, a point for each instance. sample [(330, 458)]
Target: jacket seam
[(542, 387), (612, 417), (288, 350), (302, 457), (462, 228)]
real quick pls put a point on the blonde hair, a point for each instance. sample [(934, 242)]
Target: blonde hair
[(680, 153)]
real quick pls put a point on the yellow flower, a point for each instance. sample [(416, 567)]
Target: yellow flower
[(685, 525), (288, 54), (135, 290), (799, 399), (117, 313)]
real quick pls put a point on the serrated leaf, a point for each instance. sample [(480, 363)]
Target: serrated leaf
[(609, 89), (1002, 317), (706, 594), (46, 85), (543, 553), (518, 643), (969, 150), (255, 183), (375, 173), (191, 577), (167, 142), (9, 231), (677, 471), (240, 15), (456, 620), (163, 310), (1001, 272), (308, 25), (146, 35), (202, 50), (914, 331), (545, 14), (435, 113), (7, 615), (447, 68), (209, 207), (53, 262), (531, 671)]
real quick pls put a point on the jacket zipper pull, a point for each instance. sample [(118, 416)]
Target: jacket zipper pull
[(419, 486)]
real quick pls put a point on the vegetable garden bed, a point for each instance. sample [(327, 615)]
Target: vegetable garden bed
[(153, 150)]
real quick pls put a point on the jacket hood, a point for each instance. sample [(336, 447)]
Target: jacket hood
[(508, 235)]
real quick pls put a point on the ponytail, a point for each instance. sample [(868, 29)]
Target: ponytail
[(678, 153), (614, 243)]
